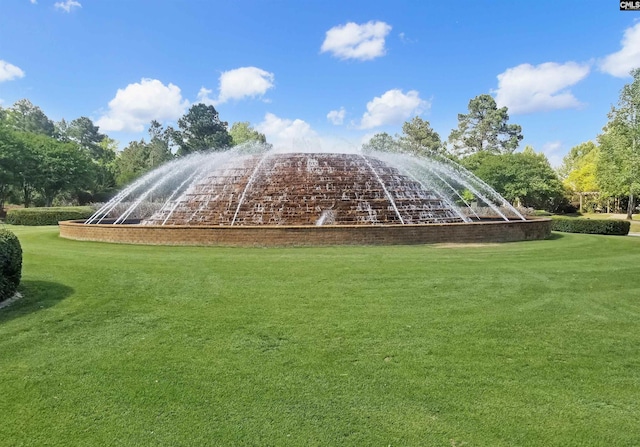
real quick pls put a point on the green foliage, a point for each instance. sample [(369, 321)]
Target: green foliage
[(132, 162), (614, 169), (590, 226), (581, 169), (46, 163), (104, 169), (87, 135), (579, 175), (23, 116), (159, 150), (54, 166), (98, 147), (140, 157), (419, 138), (525, 178), (579, 156), (618, 166), (10, 263), (242, 132), (485, 128), (10, 149), (381, 142), (47, 216), (201, 130)]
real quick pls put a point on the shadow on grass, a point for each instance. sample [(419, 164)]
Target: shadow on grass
[(555, 236), (36, 295)]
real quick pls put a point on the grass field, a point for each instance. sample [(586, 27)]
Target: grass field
[(519, 344)]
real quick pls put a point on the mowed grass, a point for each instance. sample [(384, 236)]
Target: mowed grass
[(519, 344)]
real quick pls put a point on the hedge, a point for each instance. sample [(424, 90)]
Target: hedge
[(47, 216), (591, 226), (10, 264)]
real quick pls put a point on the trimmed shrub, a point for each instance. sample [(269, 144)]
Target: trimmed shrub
[(591, 226), (47, 216), (10, 264)]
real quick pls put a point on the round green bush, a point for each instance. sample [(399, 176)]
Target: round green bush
[(10, 264), (47, 216)]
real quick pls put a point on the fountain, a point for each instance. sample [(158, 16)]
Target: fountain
[(255, 196)]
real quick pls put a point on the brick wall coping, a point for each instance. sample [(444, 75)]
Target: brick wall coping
[(307, 235)]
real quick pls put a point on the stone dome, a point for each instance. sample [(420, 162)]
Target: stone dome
[(305, 189)]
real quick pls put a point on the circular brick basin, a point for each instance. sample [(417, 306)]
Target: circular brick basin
[(308, 235)]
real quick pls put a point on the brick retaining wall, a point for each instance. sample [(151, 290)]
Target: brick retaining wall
[(273, 236)]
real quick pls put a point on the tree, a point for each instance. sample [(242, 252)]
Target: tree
[(575, 158), (25, 117), (485, 128), (242, 132), (419, 138), (10, 150), (381, 142), (50, 167), (62, 131), (159, 145), (87, 135), (65, 168), (139, 156), (104, 178), (578, 172), (618, 165), (200, 130), (99, 147), (524, 178), (132, 162), (27, 170)]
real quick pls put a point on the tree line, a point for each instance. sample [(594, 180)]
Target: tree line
[(485, 143), (44, 162), (605, 174), (600, 175)]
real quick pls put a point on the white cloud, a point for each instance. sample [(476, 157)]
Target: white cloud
[(620, 63), (137, 104), (287, 134), (527, 88), (336, 117), (553, 151), (353, 41), (9, 72), (392, 107), (34, 2), (204, 98), (240, 83), (244, 82), (67, 5)]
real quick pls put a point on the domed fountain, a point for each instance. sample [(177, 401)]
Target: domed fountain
[(253, 196)]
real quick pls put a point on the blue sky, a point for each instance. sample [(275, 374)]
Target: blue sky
[(321, 73)]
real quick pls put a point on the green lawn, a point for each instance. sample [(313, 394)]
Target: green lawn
[(519, 344)]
